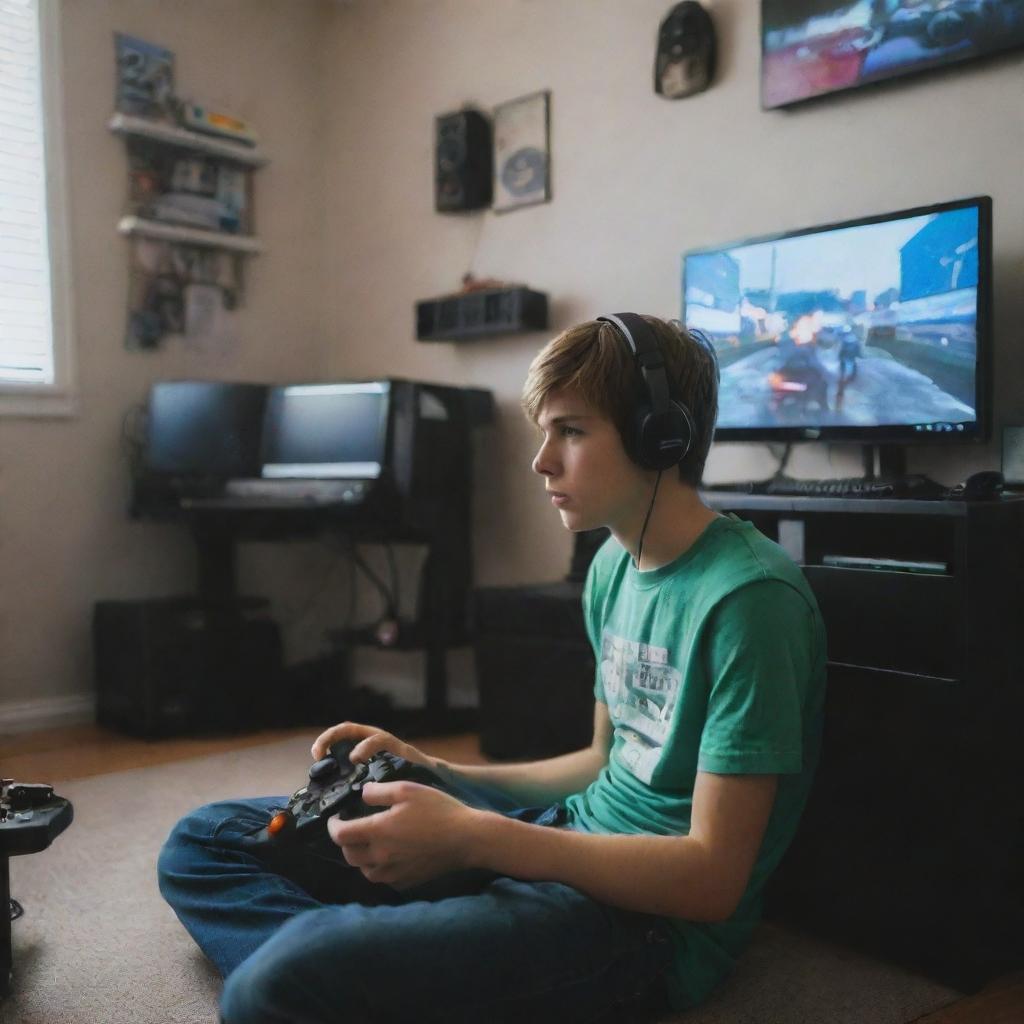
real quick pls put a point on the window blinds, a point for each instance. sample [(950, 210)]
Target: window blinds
[(26, 326)]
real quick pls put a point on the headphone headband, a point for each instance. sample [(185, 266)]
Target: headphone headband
[(648, 356)]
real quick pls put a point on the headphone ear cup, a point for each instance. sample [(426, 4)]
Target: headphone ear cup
[(640, 449), (663, 439)]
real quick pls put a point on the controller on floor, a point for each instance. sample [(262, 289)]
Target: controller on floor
[(335, 787), (31, 817)]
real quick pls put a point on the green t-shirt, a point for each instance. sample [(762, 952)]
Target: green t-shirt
[(714, 662)]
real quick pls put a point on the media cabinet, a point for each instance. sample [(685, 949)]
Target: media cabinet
[(912, 845)]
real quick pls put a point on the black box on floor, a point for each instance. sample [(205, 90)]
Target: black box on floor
[(535, 671), (178, 666)]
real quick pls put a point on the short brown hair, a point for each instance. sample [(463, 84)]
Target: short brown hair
[(594, 360)]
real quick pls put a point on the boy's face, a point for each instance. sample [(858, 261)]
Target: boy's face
[(591, 479)]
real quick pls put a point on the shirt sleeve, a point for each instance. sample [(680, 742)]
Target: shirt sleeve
[(760, 651)]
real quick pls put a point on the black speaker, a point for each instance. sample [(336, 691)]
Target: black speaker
[(535, 671), (175, 666), (462, 161)]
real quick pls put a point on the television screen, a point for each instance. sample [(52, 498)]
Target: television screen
[(812, 47), (326, 430), (209, 429), (870, 330)]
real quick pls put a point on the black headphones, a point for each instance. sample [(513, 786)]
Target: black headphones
[(663, 430)]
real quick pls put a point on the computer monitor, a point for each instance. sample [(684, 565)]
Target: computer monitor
[(875, 330), (329, 431), (203, 430)]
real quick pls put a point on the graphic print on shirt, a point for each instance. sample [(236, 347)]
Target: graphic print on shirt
[(640, 689)]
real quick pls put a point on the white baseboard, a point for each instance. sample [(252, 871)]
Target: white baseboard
[(49, 713)]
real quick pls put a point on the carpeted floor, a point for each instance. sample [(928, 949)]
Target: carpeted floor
[(97, 945)]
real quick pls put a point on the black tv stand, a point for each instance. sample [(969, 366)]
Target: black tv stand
[(890, 460), (902, 848)]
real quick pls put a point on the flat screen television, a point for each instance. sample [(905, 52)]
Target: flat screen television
[(870, 331), (813, 47), (203, 430), (327, 431)]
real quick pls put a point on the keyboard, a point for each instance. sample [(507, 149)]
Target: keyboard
[(303, 490), (284, 494), (911, 486)]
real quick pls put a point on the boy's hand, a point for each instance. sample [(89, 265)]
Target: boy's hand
[(423, 833), (368, 740)]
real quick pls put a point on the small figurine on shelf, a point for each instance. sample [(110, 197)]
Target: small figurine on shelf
[(470, 283)]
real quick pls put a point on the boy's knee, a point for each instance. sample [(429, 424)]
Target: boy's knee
[(180, 853), (174, 854)]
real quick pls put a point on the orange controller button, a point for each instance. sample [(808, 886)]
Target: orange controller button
[(224, 121), (279, 822)]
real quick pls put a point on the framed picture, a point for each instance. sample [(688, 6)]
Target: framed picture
[(145, 78), (813, 47), (522, 161)]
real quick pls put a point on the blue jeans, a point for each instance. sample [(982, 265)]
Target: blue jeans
[(302, 938)]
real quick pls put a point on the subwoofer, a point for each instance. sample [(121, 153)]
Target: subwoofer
[(178, 666), (462, 161)]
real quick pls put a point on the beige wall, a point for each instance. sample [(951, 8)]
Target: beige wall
[(636, 180), (66, 537), (344, 95)]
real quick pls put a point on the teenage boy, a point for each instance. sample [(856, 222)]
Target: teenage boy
[(622, 878)]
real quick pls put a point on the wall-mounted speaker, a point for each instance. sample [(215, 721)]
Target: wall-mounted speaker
[(462, 161)]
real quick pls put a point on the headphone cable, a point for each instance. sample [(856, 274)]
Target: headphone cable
[(647, 519)]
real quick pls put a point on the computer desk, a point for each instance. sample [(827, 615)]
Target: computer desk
[(217, 527)]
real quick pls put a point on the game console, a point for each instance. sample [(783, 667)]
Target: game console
[(201, 118)]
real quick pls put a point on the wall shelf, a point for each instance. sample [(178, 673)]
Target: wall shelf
[(484, 313), (132, 225), (182, 138), (189, 221)]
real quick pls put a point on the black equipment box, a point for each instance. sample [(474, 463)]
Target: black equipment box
[(535, 671), (534, 663), (178, 666), (483, 313)]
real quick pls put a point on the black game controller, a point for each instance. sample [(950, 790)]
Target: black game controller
[(335, 787), (31, 817)]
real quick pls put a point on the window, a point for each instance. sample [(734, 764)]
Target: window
[(35, 302)]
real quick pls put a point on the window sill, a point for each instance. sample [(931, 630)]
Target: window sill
[(38, 403)]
